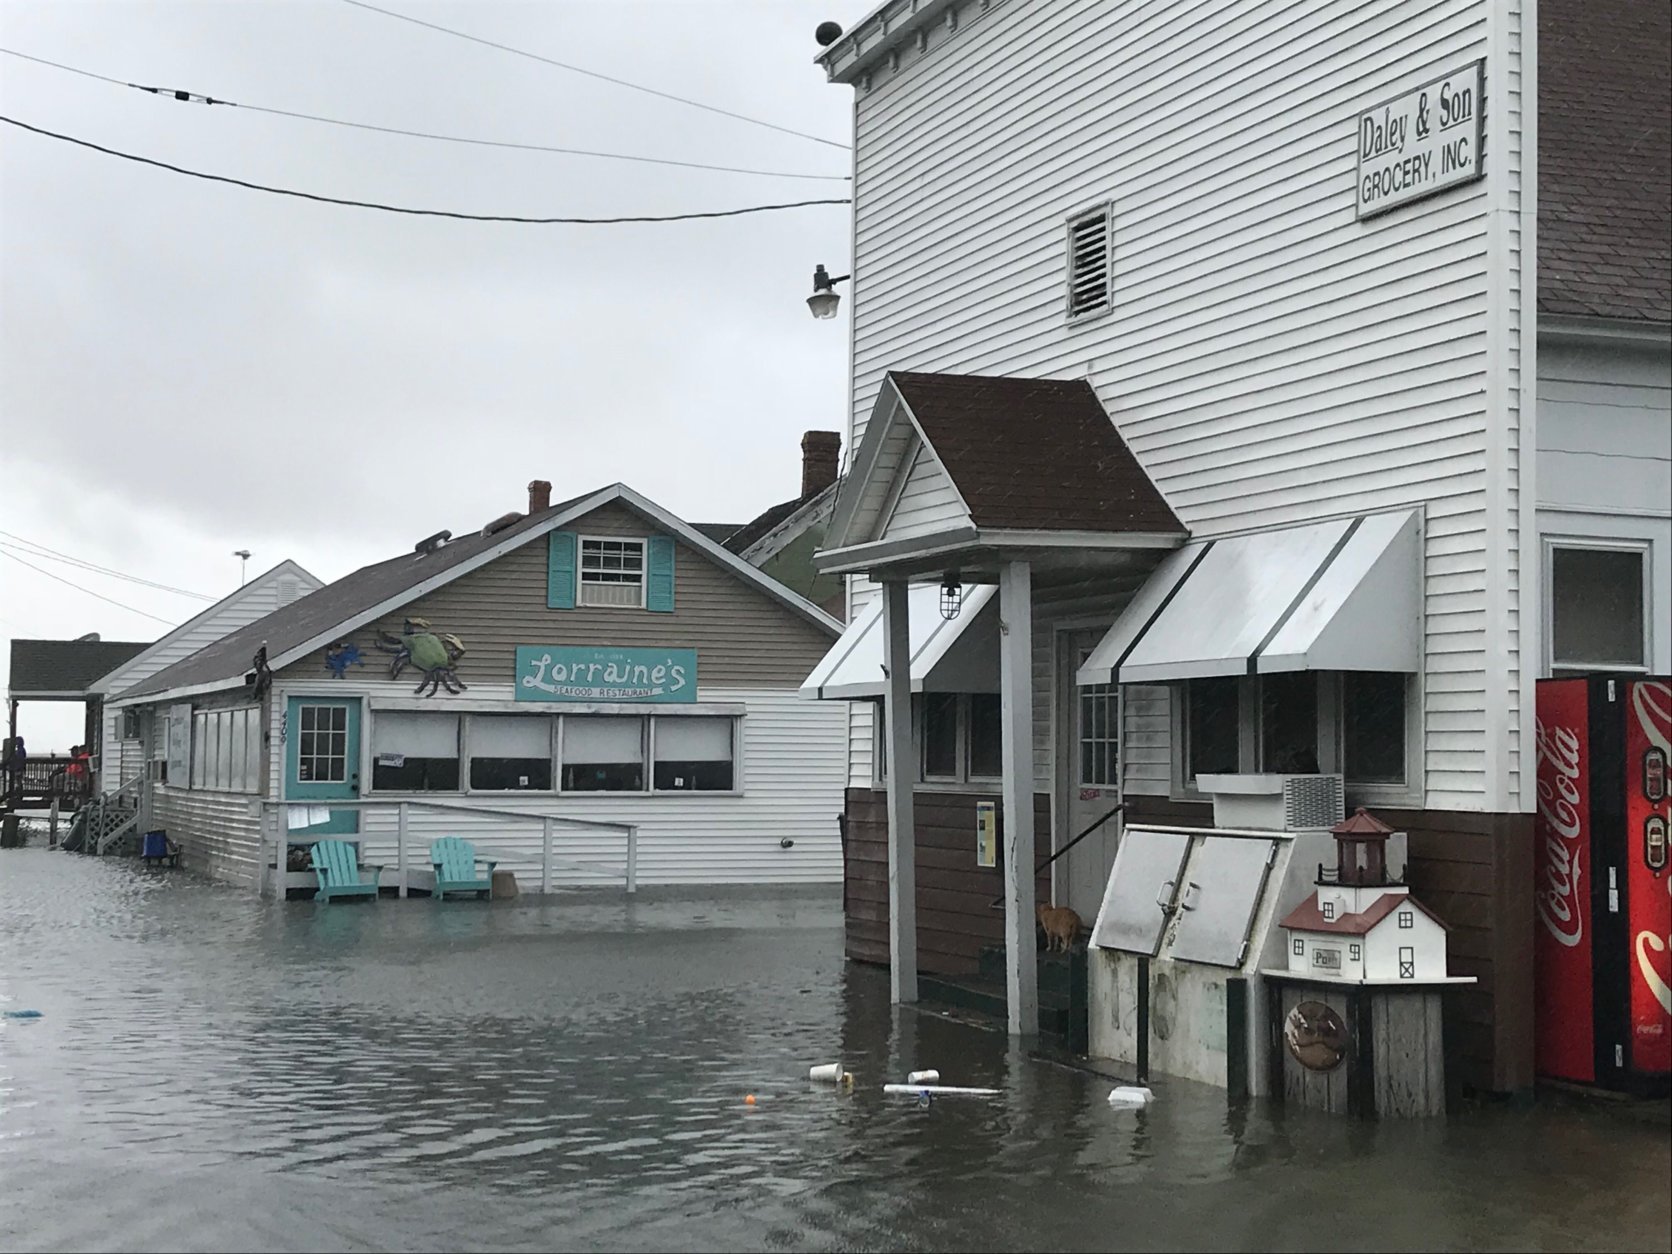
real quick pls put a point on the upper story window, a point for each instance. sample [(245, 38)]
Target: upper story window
[(611, 572), (1596, 607), (1089, 268)]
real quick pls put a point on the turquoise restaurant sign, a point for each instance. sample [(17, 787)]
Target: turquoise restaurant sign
[(562, 673)]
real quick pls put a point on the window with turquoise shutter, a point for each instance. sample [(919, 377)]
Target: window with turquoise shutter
[(658, 593), (560, 570)]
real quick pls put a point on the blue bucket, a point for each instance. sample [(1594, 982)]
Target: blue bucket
[(155, 845)]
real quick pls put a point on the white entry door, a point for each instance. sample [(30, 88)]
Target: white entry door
[(1088, 773)]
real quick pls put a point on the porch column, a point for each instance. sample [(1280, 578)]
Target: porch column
[(902, 826), (1021, 963)]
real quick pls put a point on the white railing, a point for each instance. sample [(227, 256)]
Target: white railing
[(277, 841), (102, 804)]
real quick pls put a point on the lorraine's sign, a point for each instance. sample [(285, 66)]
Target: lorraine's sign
[(564, 673), (1422, 142)]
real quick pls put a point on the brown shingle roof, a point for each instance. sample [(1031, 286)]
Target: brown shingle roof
[(66, 665), (1039, 454), (1605, 159), (1307, 917)]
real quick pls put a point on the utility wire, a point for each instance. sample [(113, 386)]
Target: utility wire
[(31, 548), (195, 98), (619, 82), (423, 213), (79, 588)]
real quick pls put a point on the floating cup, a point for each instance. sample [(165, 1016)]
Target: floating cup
[(923, 1077), (830, 1073)]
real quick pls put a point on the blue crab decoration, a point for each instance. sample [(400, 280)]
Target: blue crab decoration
[(433, 653), (340, 656)]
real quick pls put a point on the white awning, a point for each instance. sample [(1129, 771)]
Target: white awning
[(1342, 595), (961, 655)]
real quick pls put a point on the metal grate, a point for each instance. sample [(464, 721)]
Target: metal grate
[(1313, 801), (1088, 263)]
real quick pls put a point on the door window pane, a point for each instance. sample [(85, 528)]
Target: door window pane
[(1289, 723), (1596, 607), (940, 735), (603, 754), (415, 752), (322, 748), (694, 754), (986, 750), (511, 752), (1373, 727), (1099, 733), (1212, 732)]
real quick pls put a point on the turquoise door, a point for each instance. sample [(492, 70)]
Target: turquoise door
[(322, 763)]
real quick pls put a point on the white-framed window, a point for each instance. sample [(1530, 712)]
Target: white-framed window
[(958, 738), (226, 750), (415, 752), (1099, 765), (1597, 605), (1364, 725), (130, 722), (322, 744), (694, 754), (603, 754), (984, 736), (611, 571), (510, 752), (1090, 262), (940, 735)]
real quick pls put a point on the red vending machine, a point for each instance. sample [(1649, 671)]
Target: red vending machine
[(1603, 945)]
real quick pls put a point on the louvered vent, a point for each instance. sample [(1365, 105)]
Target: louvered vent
[(288, 590), (1088, 263)]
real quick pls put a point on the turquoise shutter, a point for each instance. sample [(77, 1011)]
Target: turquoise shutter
[(658, 588), (560, 571)]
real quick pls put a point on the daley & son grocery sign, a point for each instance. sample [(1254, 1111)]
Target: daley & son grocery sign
[(1423, 142), (564, 673)]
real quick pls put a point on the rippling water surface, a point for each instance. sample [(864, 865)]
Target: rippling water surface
[(211, 1072)]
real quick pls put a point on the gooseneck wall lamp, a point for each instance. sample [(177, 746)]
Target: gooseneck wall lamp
[(824, 299)]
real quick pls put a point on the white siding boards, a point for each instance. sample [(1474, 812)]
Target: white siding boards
[(1269, 358)]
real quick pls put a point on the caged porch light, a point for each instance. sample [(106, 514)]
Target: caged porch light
[(824, 299), (951, 597)]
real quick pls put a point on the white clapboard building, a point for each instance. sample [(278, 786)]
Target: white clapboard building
[(1299, 374)]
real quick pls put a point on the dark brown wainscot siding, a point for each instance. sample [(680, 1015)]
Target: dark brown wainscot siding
[(743, 637), (956, 919)]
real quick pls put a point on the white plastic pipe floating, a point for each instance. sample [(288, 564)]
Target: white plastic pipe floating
[(936, 1090), (923, 1077), (830, 1072)]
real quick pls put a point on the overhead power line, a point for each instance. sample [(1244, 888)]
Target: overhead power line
[(32, 548), (196, 98), (423, 213), (576, 69), (101, 596)]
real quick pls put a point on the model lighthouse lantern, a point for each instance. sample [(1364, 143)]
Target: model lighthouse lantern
[(1360, 926)]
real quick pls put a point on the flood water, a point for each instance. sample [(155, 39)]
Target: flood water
[(212, 1072)]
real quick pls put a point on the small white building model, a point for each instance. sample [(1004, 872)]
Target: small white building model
[(1359, 926)]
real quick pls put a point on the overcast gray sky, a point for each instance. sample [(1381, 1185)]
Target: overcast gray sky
[(189, 368)]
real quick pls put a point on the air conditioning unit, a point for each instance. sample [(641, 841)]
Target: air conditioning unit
[(1283, 803)]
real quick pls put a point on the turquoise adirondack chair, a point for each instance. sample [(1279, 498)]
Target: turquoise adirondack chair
[(340, 873), (454, 860)]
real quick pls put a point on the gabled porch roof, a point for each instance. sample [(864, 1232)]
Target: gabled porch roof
[(962, 472)]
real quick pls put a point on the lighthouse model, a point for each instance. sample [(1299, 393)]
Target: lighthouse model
[(1360, 926)]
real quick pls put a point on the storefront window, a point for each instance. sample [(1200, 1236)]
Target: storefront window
[(694, 754), (1289, 723), (1373, 727), (415, 752), (603, 754), (986, 749), (1596, 608), (511, 752), (940, 735), (1212, 730)]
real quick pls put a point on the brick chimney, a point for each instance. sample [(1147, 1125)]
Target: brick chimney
[(539, 496), (821, 454)]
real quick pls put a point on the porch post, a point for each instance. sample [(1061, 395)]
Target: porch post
[(1021, 966), (902, 826)]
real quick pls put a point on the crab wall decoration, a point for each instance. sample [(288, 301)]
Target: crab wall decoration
[(433, 653), (340, 656)]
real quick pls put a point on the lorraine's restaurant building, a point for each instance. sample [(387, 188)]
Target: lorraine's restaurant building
[(1270, 434), (592, 692)]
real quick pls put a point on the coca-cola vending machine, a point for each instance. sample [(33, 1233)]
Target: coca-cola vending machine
[(1603, 947)]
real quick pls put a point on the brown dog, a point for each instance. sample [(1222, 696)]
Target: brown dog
[(1061, 926)]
